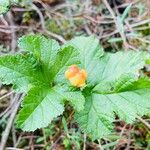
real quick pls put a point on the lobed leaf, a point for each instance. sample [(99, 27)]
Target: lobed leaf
[(21, 70), (111, 66), (127, 99), (40, 106), (42, 48)]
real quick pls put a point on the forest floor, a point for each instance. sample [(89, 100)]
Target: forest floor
[(118, 24)]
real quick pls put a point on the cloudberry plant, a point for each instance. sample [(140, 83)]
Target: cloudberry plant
[(113, 84)]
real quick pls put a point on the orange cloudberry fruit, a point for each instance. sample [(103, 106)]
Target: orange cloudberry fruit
[(71, 71), (76, 76), (84, 73)]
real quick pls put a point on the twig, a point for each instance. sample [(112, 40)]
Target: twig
[(109, 8), (89, 32), (6, 31), (56, 141), (126, 28), (143, 121), (109, 34), (109, 145), (16, 27), (84, 144), (100, 145), (116, 22), (3, 20), (62, 6), (14, 138), (39, 146), (121, 134), (6, 112), (18, 140), (44, 135), (128, 142), (44, 28), (40, 15), (98, 21), (142, 28), (13, 34), (6, 95), (10, 121), (56, 36), (140, 23)]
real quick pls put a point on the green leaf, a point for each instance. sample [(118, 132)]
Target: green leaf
[(21, 70), (93, 120), (126, 11), (66, 57), (147, 61), (43, 49), (75, 98), (112, 66), (109, 87), (42, 99), (54, 60), (40, 106), (115, 40), (43, 104), (120, 24), (88, 47), (4, 4), (112, 77), (127, 99), (14, 1)]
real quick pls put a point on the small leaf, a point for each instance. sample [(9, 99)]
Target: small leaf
[(120, 25), (114, 40), (4, 4), (126, 11)]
